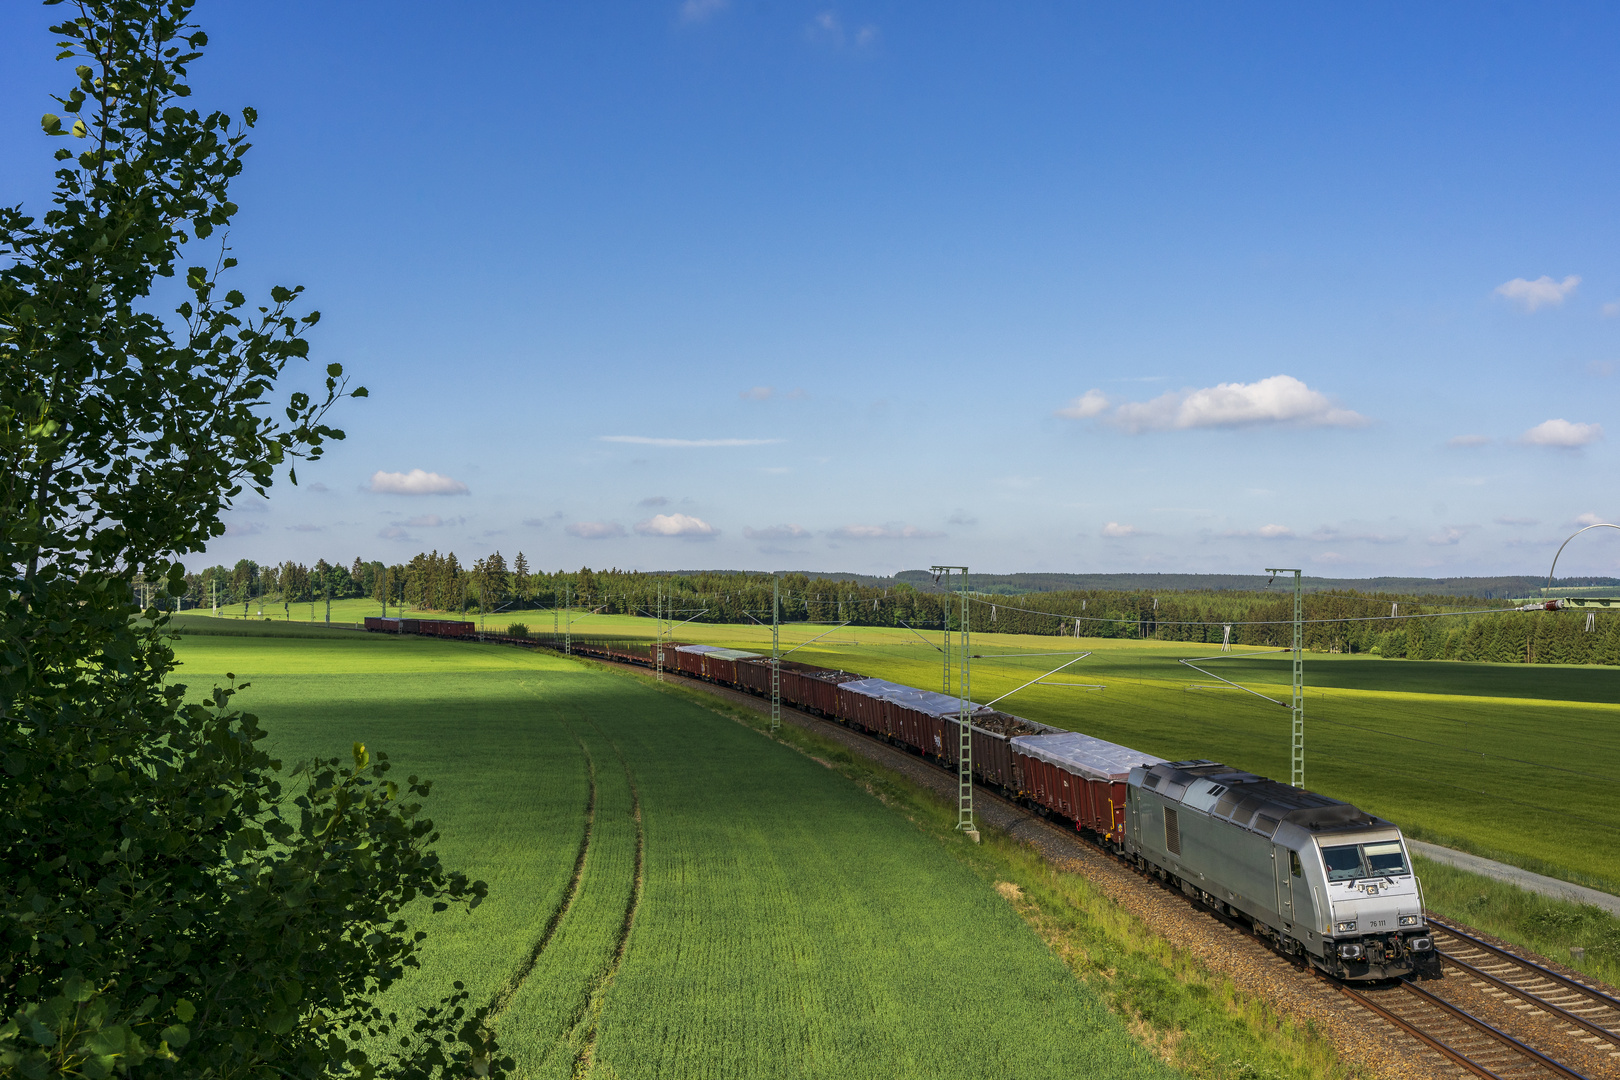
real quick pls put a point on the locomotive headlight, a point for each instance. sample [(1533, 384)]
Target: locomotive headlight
[(1350, 952), (1420, 944), (1344, 927), (1409, 920)]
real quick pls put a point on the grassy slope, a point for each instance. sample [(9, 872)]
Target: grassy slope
[(770, 929)]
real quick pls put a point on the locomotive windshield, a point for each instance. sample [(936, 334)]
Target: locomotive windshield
[(1348, 862)]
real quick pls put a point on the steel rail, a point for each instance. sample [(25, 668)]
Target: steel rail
[(1539, 1002), (1492, 1030), (1563, 980), (1411, 1029)]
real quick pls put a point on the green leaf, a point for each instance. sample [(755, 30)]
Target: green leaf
[(51, 123), (177, 1035)]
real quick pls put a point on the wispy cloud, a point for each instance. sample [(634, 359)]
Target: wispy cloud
[(777, 532), (395, 532), (243, 528), (828, 29), (648, 440), (961, 517), (318, 486), (1462, 441), (702, 10), (1115, 531), (654, 500), (1611, 309), (1506, 520), (1331, 558), (595, 530), (306, 528), (1542, 292), (676, 525), (1562, 434), (431, 521), (1087, 405), (1584, 520), (884, 532), (1280, 399), (415, 482), (1451, 535), (758, 393)]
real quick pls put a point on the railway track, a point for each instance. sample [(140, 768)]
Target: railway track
[(1472, 1044)]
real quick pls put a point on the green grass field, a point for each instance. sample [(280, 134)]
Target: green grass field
[(671, 893), (1517, 762)]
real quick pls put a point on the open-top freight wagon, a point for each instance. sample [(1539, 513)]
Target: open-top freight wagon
[(455, 628)]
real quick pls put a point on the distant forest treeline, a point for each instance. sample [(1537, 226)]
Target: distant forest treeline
[(1426, 627)]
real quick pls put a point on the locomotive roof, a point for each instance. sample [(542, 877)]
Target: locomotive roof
[(1086, 754), (1250, 801)]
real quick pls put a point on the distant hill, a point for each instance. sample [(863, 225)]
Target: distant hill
[(1490, 588)]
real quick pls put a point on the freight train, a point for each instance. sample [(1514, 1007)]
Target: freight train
[(1323, 881)]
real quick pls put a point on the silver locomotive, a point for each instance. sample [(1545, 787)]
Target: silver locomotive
[(1320, 878)]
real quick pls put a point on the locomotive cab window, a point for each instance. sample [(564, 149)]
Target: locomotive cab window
[(1349, 862), (1293, 864), (1385, 859), (1343, 862)]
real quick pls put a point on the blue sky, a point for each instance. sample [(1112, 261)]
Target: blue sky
[(869, 286)]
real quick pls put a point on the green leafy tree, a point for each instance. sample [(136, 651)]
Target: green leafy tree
[(172, 902)]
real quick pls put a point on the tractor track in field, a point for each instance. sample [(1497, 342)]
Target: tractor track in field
[(585, 1025), (504, 996), (1226, 948)]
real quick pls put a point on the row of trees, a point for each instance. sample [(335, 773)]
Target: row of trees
[(1382, 624)]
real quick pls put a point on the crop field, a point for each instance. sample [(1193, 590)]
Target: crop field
[(659, 911), (1516, 762)]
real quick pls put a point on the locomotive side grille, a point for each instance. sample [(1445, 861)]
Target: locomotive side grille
[(1172, 832)]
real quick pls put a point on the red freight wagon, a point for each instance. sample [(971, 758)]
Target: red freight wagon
[(386, 626), (863, 703), (993, 759), (712, 662), (1079, 777), (440, 627), (814, 688)]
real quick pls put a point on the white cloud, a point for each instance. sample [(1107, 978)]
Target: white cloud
[(1116, 531), (675, 525), (757, 393), (647, 440), (1562, 433), (431, 521), (777, 532), (884, 532), (1460, 441), (867, 36), (415, 482), (595, 530), (306, 528), (702, 10), (1332, 558), (1271, 532), (1450, 535), (1542, 292), (1281, 399), (1590, 519), (1611, 309), (395, 532), (1085, 406), (243, 528)]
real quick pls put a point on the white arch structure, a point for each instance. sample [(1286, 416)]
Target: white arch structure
[(1565, 544)]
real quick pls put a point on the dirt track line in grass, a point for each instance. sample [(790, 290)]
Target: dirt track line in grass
[(585, 1060), (503, 997)]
